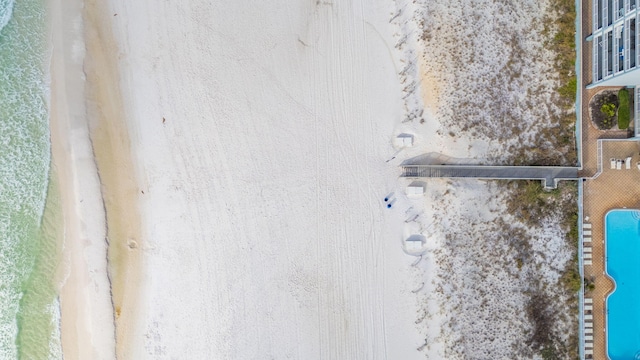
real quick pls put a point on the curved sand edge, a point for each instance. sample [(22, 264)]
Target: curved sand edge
[(86, 310), (112, 150), (91, 154)]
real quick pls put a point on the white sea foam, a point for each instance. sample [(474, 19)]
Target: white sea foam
[(55, 345), (6, 10), (24, 161)]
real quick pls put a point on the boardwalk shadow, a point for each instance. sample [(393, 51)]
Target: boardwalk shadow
[(434, 158)]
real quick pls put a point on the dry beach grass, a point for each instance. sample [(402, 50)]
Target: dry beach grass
[(502, 73)]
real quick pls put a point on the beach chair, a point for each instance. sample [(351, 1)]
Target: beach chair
[(627, 163), (588, 338), (586, 233), (588, 345), (588, 262), (588, 352), (587, 256), (613, 163), (588, 300), (586, 226), (619, 165), (587, 249), (588, 330), (588, 317), (588, 307), (586, 239), (588, 324)]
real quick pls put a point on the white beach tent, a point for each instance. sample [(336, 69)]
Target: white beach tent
[(404, 140), (414, 242), (415, 189)]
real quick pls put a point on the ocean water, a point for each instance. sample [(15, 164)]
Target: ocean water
[(28, 251)]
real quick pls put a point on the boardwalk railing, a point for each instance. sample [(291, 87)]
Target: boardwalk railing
[(548, 174), (581, 269)]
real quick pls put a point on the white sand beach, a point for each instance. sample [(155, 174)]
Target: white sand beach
[(259, 145), (236, 156)]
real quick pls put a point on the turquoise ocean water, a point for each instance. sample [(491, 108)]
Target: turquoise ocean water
[(28, 255)]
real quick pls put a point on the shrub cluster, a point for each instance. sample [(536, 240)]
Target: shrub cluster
[(624, 112)]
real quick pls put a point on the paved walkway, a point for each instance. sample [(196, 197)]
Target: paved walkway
[(549, 174)]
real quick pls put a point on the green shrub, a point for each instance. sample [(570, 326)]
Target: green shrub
[(569, 90), (608, 109), (549, 353), (571, 278), (572, 222), (562, 26), (624, 113)]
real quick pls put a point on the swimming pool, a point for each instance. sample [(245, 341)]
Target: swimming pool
[(622, 234)]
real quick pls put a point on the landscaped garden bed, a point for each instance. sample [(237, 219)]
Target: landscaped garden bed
[(604, 109)]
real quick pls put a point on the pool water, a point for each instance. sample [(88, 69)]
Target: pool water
[(622, 234)]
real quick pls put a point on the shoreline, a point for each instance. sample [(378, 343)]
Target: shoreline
[(97, 298), (114, 159), (85, 316)]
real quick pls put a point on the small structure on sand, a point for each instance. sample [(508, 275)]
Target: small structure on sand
[(414, 243), (415, 189), (404, 140)]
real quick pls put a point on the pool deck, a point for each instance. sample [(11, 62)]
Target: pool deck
[(611, 189)]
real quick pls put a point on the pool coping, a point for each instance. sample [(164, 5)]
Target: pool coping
[(613, 280)]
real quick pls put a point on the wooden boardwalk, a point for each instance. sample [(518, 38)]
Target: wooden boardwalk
[(549, 174)]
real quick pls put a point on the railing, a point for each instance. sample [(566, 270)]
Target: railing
[(578, 69), (581, 269), (627, 45), (597, 47), (579, 38), (599, 159), (594, 12), (636, 121)]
